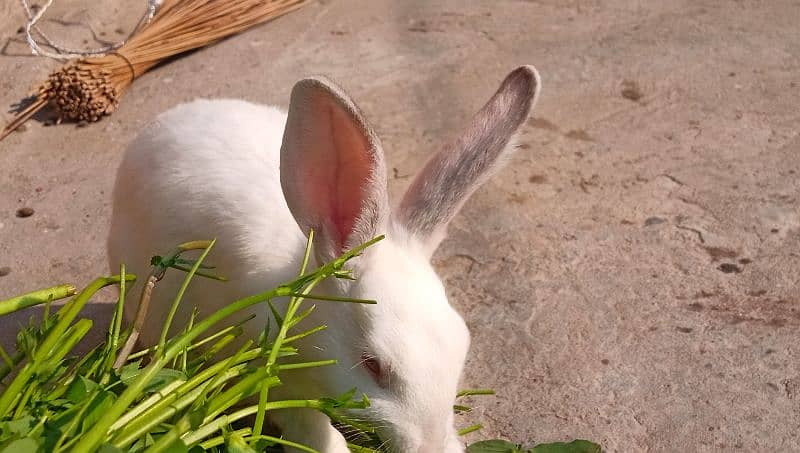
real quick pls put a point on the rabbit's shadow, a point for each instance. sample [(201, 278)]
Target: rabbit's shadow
[(99, 313)]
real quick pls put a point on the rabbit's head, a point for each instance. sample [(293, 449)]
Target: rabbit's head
[(407, 352)]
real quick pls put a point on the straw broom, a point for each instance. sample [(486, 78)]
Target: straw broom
[(87, 89)]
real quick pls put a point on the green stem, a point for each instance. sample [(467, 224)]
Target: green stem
[(305, 334), (116, 329), (219, 440), (194, 346), (6, 358), (165, 441), (472, 392), (228, 363), (263, 396), (71, 337), (303, 315), (143, 412), (214, 349), (297, 366), (206, 430), (185, 353), (23, 400), (179, 296), (183, 268), (5, 370), (359, 449), (470, 429), (237, 392), (35, 298), (334, 298), (285, 442)]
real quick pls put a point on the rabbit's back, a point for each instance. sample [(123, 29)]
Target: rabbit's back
[(202, 170)]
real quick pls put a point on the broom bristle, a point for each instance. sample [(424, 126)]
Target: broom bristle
[(90, 88)]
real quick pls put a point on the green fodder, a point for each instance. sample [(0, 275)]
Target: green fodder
[(178, 395)]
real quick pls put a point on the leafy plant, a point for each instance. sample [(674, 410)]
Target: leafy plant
[(177, 395), (502, 446)]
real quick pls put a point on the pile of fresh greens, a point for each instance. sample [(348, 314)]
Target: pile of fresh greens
[(178, 395)]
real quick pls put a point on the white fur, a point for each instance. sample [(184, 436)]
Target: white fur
[(211, 169)]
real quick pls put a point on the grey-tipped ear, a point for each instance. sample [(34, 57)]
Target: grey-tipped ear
[(333, 173), (453, 174)]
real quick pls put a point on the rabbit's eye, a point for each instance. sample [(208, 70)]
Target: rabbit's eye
[(373, 366)]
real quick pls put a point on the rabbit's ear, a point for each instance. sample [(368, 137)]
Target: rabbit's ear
[(453, 174), (332, 169)]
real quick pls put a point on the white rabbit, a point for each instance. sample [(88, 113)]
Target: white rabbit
[(258, 180)]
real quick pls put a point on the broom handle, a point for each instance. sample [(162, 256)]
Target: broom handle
[(24, 115)]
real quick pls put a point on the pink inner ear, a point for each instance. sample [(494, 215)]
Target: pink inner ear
[(330, 167), (349, 176)]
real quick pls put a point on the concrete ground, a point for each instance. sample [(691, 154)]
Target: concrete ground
[(633, 277)]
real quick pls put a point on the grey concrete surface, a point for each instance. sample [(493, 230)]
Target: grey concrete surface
[(633, 277)]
